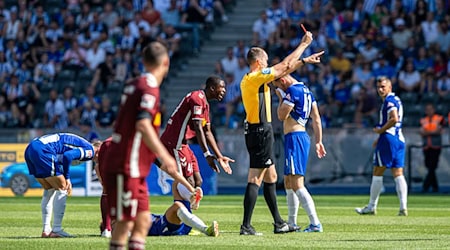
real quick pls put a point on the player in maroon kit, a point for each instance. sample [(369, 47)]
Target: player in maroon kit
[(191, 120), (135, 146)]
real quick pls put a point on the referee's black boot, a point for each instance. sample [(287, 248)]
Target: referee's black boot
[(248, 230)]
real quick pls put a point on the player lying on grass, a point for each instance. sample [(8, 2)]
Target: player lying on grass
[(178, 219)]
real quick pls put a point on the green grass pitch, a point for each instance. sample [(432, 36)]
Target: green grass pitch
[(427, 227)]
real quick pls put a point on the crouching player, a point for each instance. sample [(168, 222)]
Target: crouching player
[(178, 219), (49, 158)]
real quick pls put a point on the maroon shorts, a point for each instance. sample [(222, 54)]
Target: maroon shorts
[(126, 196), (186, 160)]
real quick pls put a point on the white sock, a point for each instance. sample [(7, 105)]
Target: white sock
[(191, 220), (47, 209), (59, 207), (375, 190), (308, 204), (184, 192), (402, 191), (292, 204)]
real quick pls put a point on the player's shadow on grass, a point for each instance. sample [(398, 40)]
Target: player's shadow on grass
[(39, 237)]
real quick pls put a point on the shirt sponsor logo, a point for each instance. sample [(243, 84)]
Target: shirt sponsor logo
[(197, 110), (148, 101), (265, 71)]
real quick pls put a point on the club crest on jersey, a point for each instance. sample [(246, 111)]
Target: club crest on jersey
[(265, 71), (197, 110), (148, 101)]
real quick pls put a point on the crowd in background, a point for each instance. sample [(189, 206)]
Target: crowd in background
[(63, 62), (405, 40)]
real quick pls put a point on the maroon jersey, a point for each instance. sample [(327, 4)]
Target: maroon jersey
[(180, 125), (103, 162), (128, 153)]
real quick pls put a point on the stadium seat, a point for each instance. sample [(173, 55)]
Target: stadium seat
[(65, 75), (429, 97), (409, 97)]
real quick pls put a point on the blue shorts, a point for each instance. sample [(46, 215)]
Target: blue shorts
[(41, 162), (390, 152), (296, 152), (161, 227)]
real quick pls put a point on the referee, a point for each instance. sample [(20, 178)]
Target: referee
[(258, 129)]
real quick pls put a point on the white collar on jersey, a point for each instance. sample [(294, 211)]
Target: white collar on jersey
[(298, 83), (151, 80)]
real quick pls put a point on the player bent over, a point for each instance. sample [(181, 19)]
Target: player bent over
[(390, 149), (296, 106), (49, 158)]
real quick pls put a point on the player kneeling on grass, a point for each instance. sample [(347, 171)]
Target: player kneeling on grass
[(296, 106), (48, 159)]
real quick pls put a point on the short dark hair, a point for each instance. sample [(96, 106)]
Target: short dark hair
[(153, 54), (213, 81)]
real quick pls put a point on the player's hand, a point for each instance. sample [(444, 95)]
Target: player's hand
[(68, 187), (210, 159), (224, 162), (307, 38), (320, 150), (196, 197), (377, 130), (314, 58)]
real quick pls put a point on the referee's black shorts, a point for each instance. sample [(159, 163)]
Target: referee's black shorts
[(259, 141)]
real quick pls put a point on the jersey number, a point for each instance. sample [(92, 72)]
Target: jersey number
[(307, 105)]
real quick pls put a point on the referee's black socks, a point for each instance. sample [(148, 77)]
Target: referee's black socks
[(251, 194), (270, 195)]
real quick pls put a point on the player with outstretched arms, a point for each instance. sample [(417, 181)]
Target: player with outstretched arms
[(48, 159), (191, 120), (389, 149), (135, 146), (296, 106)]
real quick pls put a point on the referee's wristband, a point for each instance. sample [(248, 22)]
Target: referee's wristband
[(207, 153), (303, 61)]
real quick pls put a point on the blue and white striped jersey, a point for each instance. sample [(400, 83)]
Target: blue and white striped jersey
[(392, 102), (301, 99)]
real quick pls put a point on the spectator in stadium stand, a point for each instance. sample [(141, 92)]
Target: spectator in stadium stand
[(55, 114), (95, 55), (75, 58), (105, 115), (44, 72), (409, 78), (431, 131), (264, 30), (443, 85), (230, 62)]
